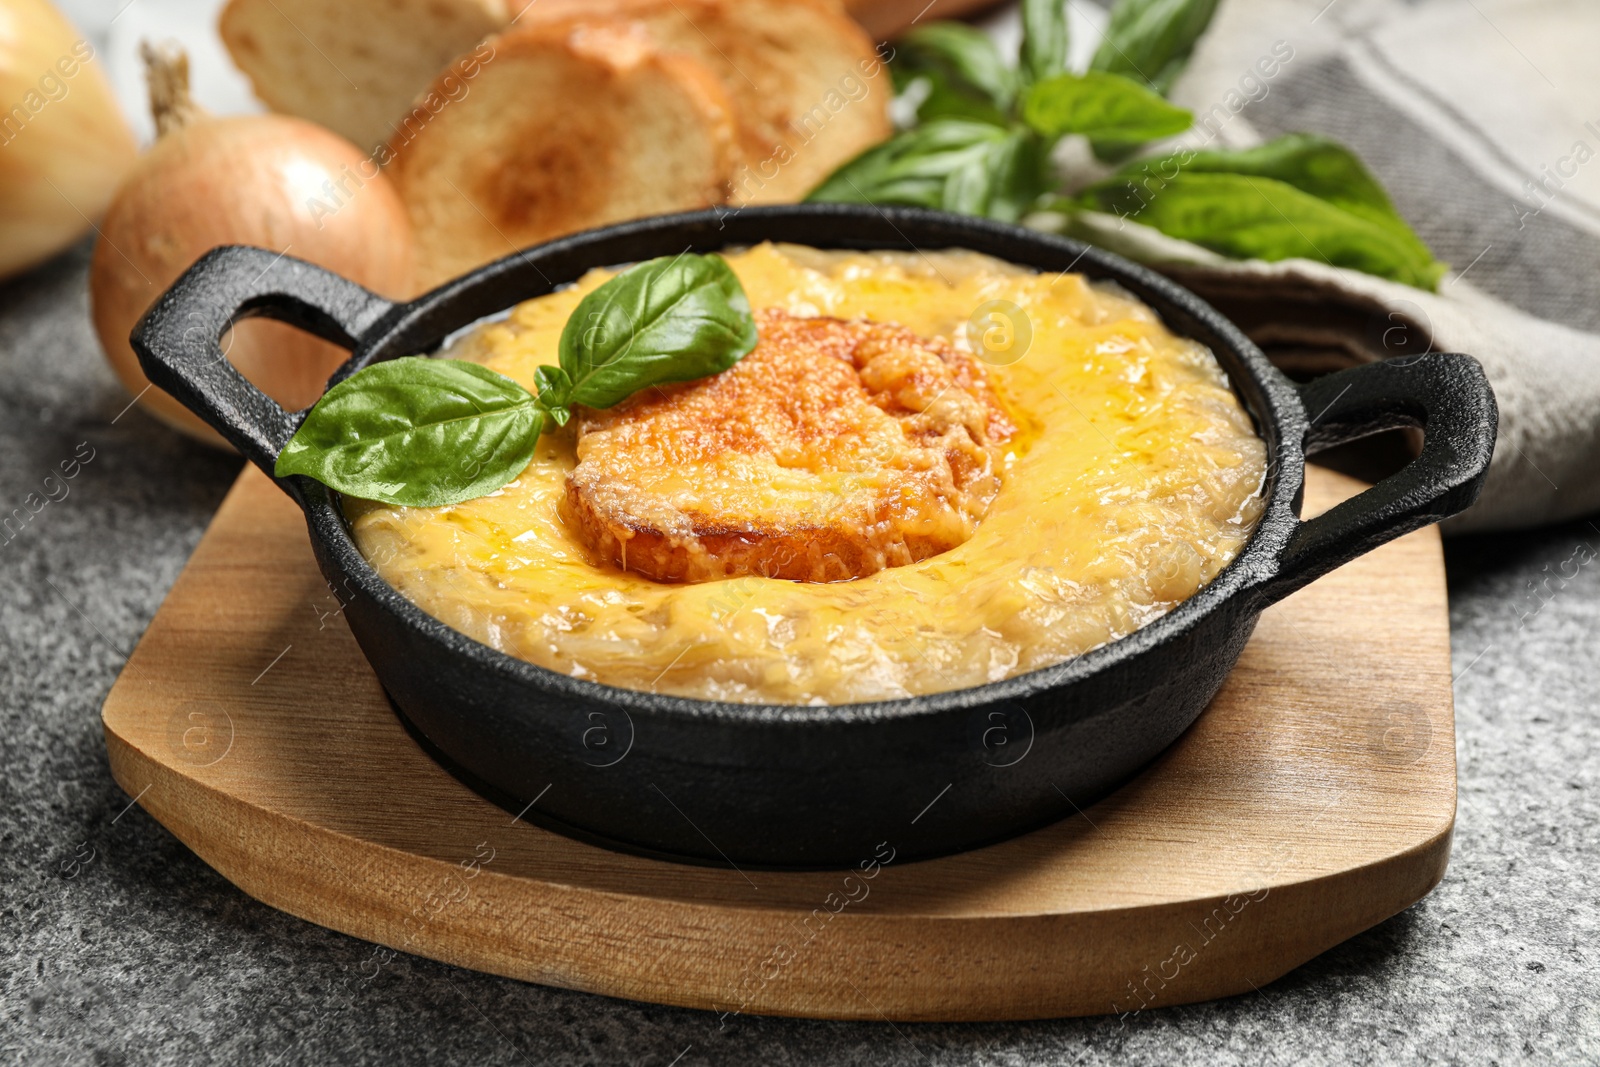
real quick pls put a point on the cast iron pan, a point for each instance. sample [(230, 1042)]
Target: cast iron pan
[(787, 786)]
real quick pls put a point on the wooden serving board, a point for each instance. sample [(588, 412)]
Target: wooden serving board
[(1313, 799)]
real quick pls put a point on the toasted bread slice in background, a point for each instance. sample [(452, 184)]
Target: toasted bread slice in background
[(565, 129), (885, 20), (833, 450), (808, 87), (352, 67)]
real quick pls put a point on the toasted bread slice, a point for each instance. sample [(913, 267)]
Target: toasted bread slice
[(809, 89), (833, 450), (564, 129), (884, 20), (348, 66)]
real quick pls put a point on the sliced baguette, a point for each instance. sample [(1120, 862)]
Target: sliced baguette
[(563, 128), (352, 67), (809, 89)]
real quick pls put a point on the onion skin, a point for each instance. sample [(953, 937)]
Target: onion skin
[(64, 144), (249, 179)]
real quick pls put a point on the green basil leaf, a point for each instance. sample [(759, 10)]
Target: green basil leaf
[(555, 392), (555, 387), (943, 100), (1044, 40), (428, 432), (671, 319), (909, 168), (1151, 40), (418, 432), (955, 165), (961, 57), (1101, 105), (1112, 151), (1002, 182), (1316, 165), (1324, 168), (1246, 216)]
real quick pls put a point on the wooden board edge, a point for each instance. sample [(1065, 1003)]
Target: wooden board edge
[(972, 968)]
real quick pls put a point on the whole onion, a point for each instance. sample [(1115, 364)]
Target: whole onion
[(63, 144), (269, 180)]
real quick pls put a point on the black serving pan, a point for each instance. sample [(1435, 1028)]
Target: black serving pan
[(789, 786)]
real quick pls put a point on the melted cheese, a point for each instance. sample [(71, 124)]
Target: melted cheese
[(1134, 479)]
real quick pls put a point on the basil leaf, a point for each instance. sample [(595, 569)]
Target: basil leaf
[(555, 386), (956, 165), (1151, 40), (1246, 216), (1003, 181), (555, 392), (1101, 105), (671, 319), (416, 431), (1044, 40), (428, 432), (961, 58), (1315, 165), (943, 100), (910, 167)]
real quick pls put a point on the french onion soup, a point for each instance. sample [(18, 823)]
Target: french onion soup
[(883, 498)]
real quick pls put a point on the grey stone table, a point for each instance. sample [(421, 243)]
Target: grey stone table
[(120, 946)]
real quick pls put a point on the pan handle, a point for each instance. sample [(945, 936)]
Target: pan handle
[(1448, 396), (179, 339)]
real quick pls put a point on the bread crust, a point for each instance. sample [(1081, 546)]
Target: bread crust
[(833, 450)]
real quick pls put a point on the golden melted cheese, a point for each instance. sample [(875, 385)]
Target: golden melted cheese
[(1135, 477)]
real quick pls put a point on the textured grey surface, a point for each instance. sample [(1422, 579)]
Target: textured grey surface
[(120, 946)]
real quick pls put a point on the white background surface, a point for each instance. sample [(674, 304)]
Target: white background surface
[(115, 28)]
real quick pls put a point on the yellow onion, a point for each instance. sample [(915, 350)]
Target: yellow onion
[(64, 146), (274, 181)]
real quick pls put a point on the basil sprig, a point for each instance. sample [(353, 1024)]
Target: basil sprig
[(958, 165), (425, 432), (964, 63), (1151, 40), (985, 132)]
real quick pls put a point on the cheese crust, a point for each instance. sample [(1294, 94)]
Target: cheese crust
[(831, 451)]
